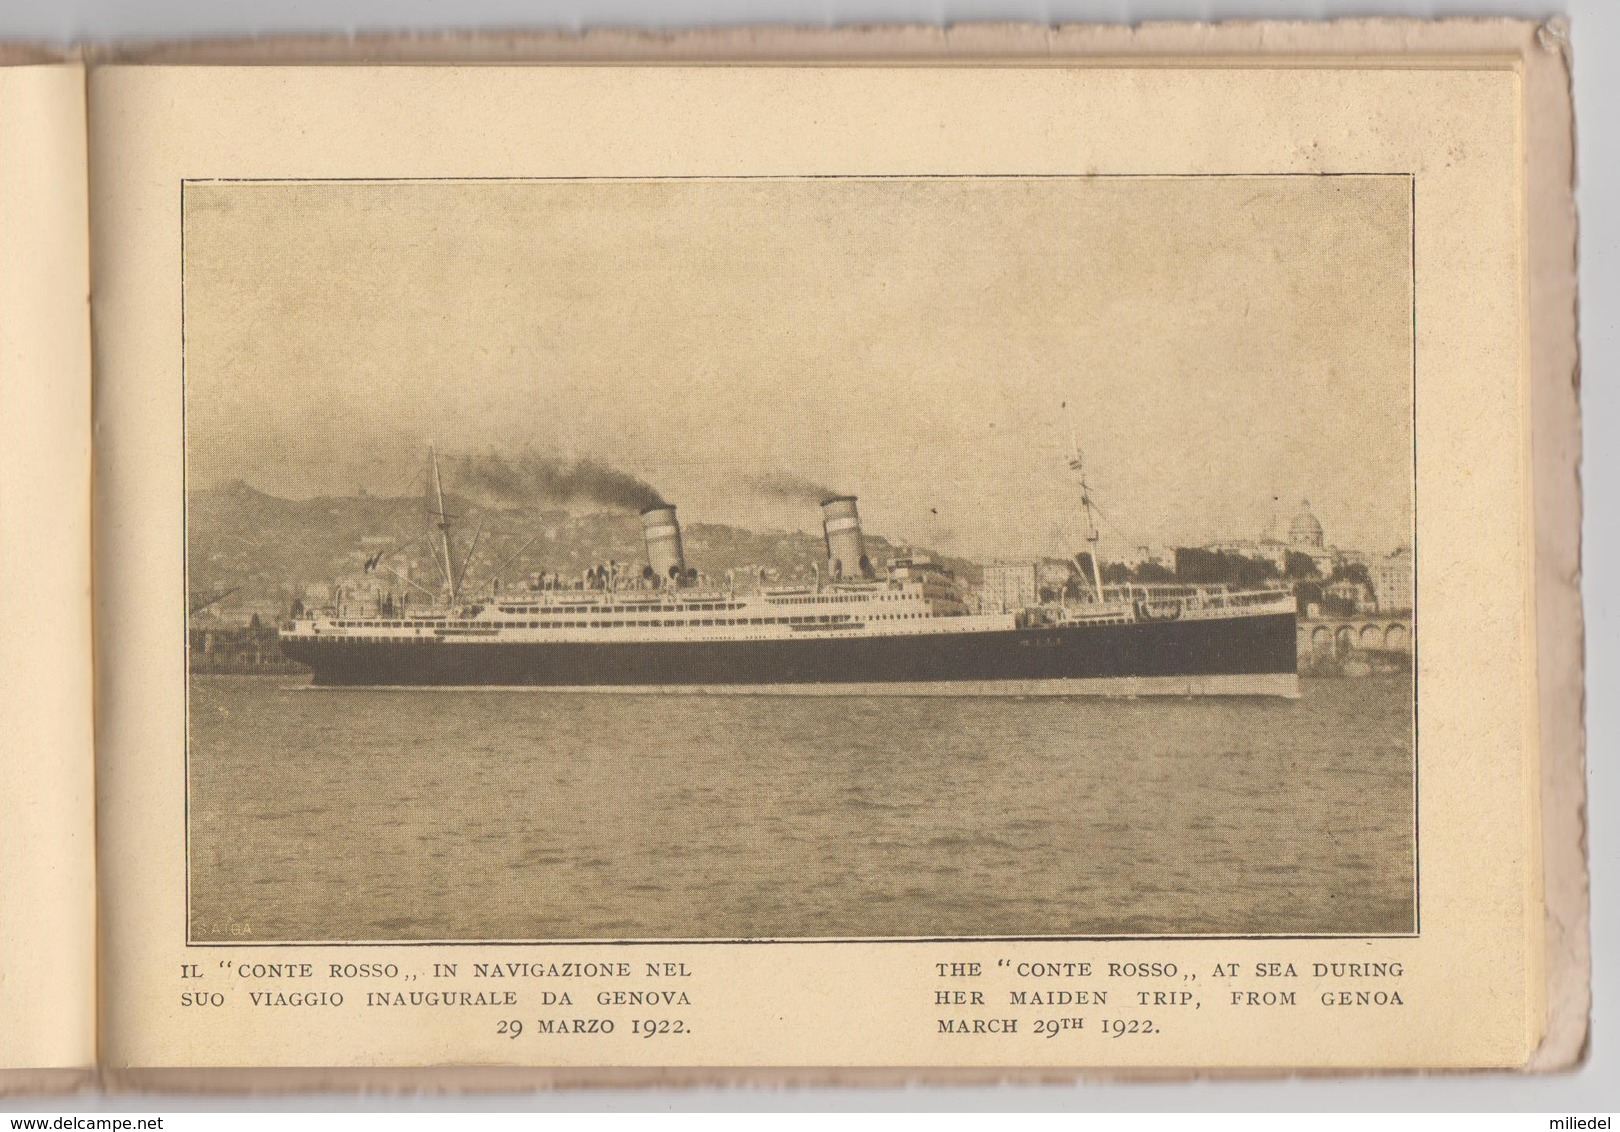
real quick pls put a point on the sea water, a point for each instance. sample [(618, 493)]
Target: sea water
[(348, 814)]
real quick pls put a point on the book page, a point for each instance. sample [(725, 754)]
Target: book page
[(47, 836), (905, 565)]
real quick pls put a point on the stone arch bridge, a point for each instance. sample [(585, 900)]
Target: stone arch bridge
[(1324, 636)]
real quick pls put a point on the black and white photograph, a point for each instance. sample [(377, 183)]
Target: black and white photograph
[(800, 558)]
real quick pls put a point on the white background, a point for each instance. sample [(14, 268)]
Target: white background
[(1594, 26)]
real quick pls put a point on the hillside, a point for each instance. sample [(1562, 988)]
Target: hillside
[(267, 550)]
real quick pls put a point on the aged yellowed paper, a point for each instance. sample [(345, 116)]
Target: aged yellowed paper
[(47, 839), (1170, 393)]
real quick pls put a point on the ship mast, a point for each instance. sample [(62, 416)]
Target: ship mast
[(1093, 535), (443, 525)]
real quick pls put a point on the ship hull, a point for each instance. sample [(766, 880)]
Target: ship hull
[(1250, 655)]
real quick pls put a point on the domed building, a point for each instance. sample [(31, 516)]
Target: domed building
[(1305, 537), (1305, 532)]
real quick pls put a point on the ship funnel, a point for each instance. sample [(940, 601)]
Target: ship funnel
[(846, 550), (663, 534)]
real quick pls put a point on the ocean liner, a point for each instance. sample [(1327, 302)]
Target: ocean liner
[(909, 628)]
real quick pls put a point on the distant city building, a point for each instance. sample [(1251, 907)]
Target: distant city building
[(1305, 532), (1392, 580), (1147, 556), (1353, 593), (1305, 537), (1009, 586), (1054, 573), (1263, 550)]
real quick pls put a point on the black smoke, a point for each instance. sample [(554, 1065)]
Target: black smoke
[(530, 478), (791, 487)]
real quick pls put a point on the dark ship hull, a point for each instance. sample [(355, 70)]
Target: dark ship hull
[(1254, 655)]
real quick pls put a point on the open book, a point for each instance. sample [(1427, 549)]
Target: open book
[(899, 550)]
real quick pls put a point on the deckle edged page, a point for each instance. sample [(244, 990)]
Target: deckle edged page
[(955, 580), (47, 834)]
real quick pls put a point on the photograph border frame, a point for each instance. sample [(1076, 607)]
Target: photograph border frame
[(1412, 378)]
